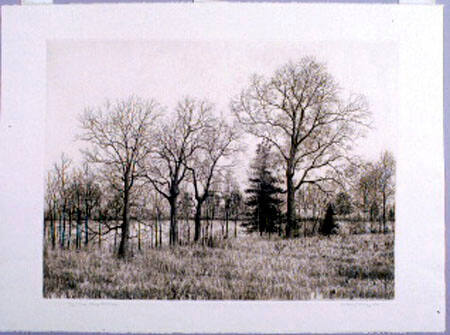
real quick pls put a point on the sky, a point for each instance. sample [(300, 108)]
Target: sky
[(84, 74)]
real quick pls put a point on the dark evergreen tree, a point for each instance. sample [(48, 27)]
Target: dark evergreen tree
[(328, 226), (263, 198)]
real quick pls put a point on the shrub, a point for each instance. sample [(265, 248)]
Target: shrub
[(328, 226)]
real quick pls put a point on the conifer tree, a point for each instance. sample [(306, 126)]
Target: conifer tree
[(263, 199), (328, 226)]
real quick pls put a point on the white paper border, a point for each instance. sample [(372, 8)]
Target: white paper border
[(419, 303)]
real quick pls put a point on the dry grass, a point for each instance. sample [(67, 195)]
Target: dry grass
[(347, 267)]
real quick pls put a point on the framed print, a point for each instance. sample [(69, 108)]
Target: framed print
[(222, 167)]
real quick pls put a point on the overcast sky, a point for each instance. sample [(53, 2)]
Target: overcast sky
[(81, 74)]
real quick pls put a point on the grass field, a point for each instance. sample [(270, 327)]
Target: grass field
[(342, 267)]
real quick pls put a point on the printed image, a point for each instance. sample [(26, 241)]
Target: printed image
[(220, 170)]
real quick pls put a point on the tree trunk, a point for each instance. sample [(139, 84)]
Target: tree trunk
[(207, 229), (152, 236), (156, 232), (58, 232), (63, 233), (226, 224), (206, 232), (173, 230), (78, 234), (52, 229), (52, 233), (125, 227), (197, 218), (235, 226), (160, 231), (115, 240), (69, 239), (139, 236), (384, 212), (290, 213), (78, 237), (86, 232), (203, 235)]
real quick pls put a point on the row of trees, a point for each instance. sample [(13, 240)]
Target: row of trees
[(78, 198), (368, 195), (136, 146), (307, 130), (71, 195), (375, 189), (368, 192), (76, 194)]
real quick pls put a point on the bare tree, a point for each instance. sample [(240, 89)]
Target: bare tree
[(374, 187), (218, 142), (110, 209), (77, 199), (299, 111), (62, 175), (229, 185), (236, 205), (386, 181), (359, 184), (212, 206), (51, 199), (120, 138), (157, 211), (177, 141), (142, 214), (91, 197), (185, 204)]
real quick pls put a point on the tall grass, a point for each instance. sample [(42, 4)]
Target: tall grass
[(343, 267)]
